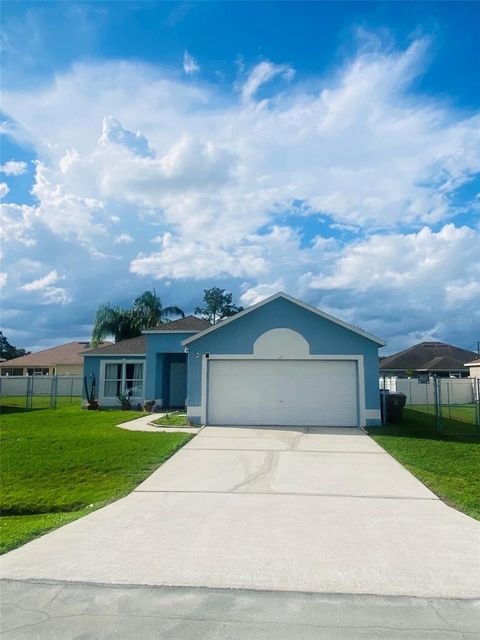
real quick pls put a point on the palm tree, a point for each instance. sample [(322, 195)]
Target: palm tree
[(147, 311)]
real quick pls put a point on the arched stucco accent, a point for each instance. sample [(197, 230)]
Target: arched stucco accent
[(281, 343)]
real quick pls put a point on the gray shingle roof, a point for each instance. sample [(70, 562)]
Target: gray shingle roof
[(138, 346), (428, 356), (189, 323), (133, 346)]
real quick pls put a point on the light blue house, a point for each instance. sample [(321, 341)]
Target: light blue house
[(279, 362)]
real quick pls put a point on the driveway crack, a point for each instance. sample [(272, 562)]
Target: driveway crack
[(267, 469)]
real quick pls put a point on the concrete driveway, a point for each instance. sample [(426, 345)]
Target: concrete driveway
[(297, 509)]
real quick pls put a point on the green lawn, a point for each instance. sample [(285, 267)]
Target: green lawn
[(177, 419), (39, 402), (449, 464), (58, 465), (462, 413)]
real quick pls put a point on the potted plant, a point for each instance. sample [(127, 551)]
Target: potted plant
[(92, 402), (148, 405), (124, 399)]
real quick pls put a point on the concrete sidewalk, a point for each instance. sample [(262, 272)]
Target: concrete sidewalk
[(68, 611), (307, 510), (144, 423)]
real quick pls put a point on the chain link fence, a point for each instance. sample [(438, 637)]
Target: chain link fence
[(452, 403), (39, 392)]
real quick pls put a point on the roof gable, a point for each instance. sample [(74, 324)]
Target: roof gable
[(293, 300)]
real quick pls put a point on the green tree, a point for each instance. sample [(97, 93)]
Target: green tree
[(217, 305), (8, 351), (150, 312), (120, 323)]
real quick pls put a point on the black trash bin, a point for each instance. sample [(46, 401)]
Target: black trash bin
[(395, 401)]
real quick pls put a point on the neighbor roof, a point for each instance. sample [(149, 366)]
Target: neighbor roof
[(131, 347), (428, 356), (69, 353), (281, 294), (188, 323)]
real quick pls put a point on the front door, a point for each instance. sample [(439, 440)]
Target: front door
[(178, 384)]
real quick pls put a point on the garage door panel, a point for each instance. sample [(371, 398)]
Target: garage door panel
[(282, 392)]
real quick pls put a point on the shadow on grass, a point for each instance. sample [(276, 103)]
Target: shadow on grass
[(416, 424), (6, 409)]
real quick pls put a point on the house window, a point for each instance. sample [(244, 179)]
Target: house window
[(113, 380), (134, 378), (12, 371), (122, 378), (38, 371)]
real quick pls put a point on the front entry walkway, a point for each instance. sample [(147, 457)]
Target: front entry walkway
[(145, 423), (297, 509)]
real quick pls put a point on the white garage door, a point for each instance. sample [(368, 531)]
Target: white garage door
[(282, 392)]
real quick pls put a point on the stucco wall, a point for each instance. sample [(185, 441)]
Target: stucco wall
[(91, 364), (59, 369), (474, 372), (324, 337), (155, 363), (160, 343), (68, 369)]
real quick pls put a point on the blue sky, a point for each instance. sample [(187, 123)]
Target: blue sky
[(327, 149)]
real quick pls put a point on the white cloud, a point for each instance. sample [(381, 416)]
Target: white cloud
[(406, 283), (3, 278), (41, 283), (70, 216), (69, 160), (360, 150), (3, 189), (256, 294), (398, 261), (56, 295), (198, 261), (190, 65), (16, 224), (463, 291), (123, 238), (216, 181), (263, 73), (50, 294), (13, 168), (114, 133)]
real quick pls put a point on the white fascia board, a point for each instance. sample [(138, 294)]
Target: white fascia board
[(299, 303), (474, 363)]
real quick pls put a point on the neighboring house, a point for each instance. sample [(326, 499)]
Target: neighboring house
[(66, 359), (474, 367), (279, 362), (444, 360)]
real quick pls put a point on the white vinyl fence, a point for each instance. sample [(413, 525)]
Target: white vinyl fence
[(29, 391), (456, 399), (454, 391)]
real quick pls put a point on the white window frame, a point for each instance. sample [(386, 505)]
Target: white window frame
[(123, 362), (39, 371)]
